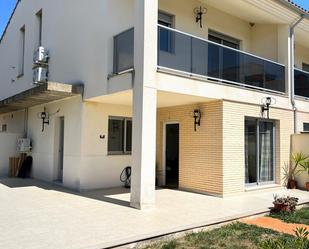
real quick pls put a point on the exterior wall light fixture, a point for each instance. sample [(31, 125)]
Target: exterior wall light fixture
[(45, 118), (265, 105), (197, 115), (199, 12)]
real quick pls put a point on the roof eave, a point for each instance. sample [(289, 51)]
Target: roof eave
[(295, 8)]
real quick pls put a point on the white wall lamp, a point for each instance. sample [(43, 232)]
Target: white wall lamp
[(199, 12), (197, 115), (265, 105)]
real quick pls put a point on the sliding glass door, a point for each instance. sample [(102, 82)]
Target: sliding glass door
[(259, 151)]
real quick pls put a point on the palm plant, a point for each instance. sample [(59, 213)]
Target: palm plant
[(291, 170), (305, 168)]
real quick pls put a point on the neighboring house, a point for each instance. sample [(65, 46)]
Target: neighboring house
[(141, 83)]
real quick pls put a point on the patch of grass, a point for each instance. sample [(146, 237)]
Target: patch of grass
[(233, 236), (300, 216)]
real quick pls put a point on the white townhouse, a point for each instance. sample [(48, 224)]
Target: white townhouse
[(200, 95)]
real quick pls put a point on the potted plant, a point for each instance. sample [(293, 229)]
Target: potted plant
[(284, 204), (290, 170), (305, 168)]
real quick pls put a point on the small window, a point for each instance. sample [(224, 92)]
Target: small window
[(306, 67), (166, 37), (223, 39), (39, 28), (306, 127), (21, 51), (4, 128), (119, 135)]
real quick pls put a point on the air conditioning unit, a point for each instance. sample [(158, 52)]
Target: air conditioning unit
[(23, 145), (40, 75), (40, 56)]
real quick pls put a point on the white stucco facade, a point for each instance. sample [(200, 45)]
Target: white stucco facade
[(79, 36)]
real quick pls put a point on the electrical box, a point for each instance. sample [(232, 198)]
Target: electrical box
[(23, 145), (40, 75)]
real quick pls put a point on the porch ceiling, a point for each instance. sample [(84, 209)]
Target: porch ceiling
[(165, 99), (256, 11), (263, 12), (39, 95)]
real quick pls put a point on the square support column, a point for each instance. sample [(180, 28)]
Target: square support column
[(144, 105)]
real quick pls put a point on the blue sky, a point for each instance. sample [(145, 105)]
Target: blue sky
[(7, 6)]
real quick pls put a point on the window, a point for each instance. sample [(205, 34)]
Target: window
[(306, 67), (223, 62), (21, 51), (4, 128), (166, 36), (119, 135), (39, 28), (306, 127), (259, 151), (223, 39)]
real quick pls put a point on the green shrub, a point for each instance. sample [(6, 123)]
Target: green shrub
[(299, 242)]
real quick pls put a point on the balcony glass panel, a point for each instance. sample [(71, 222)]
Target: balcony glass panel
[(175, 52), (301, 83), (217, 62), (124, 51)]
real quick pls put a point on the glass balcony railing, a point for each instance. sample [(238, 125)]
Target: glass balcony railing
[(301, 82), (189, 54), (124, 51), (184, 53)]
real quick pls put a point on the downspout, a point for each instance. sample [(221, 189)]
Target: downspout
[(291, 68)]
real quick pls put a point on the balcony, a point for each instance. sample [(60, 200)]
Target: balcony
[(182, 53), (124, 51), (196, 56), (301, 81)]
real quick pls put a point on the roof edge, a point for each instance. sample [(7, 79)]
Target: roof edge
[(295, 7), (288, 3)]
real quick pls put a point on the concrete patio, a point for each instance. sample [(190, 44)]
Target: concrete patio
[(37, 215)]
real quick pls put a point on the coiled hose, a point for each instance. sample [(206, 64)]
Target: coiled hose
[(125, 176)]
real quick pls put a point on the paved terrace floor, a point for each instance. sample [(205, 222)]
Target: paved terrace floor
[(36, 215)]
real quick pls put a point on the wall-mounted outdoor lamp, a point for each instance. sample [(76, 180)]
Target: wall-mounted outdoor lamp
[(266, 103), (197, 115), (199, 12), (45, 118)]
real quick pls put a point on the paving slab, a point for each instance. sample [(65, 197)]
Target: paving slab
[(38, 215)]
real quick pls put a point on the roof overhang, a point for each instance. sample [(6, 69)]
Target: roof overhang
[(39, 95)]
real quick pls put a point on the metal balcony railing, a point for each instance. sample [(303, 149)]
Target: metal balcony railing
[(301, 82), (186, 53)]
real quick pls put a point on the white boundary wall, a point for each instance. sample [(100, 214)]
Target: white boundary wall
[(300, 143)]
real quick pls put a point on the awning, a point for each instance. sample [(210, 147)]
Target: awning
[(39, 95)]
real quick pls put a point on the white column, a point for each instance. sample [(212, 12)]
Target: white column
[(144, 104)]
